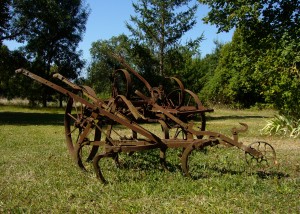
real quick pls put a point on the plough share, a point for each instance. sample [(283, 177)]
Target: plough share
[(92, 123)]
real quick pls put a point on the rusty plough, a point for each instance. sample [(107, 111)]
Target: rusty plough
[(105, 128)]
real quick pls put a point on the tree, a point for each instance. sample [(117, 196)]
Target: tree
[(10, 85), (160, 25), (103, 65), (233, 82), (8, 28), (54, 30), (269, 49), (260, 18), (4, 19)]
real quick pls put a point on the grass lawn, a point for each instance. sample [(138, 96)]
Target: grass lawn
[(37, 175)]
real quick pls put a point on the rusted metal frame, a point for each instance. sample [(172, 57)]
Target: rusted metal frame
[(197, 100), (99, 109), (186, 127), (80, 144), (162, 110), (130, 106), (96, 107), (86, 90), (181, 87), (128, 81), (97, 167), (122, 61), (57, 88), (90, 94), (199, 144), (65, 80)]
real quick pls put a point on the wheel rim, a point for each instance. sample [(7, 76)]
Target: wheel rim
[(74, 122), (121, 83), (266, 160)]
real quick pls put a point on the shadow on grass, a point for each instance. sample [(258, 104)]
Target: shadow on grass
[(22, 118), (269, 175), (234, 117), (144, 160), (150, 161), (223, 171)]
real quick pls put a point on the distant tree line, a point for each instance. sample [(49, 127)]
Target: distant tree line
[(259, 67)]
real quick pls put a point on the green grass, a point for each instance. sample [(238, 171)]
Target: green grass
[(37, 175)]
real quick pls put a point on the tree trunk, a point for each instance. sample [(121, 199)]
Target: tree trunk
[(44, 102), (60, 101)]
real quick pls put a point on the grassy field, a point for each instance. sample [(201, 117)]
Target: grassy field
[(37, 175)]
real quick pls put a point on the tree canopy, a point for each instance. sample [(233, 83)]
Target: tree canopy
[(269, 16), (54, 30), (261, 64), (51, 32), (160, 25)]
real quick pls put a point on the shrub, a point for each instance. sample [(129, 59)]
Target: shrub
[(282, 125)]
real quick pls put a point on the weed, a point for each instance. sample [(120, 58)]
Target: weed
[(282, 126)]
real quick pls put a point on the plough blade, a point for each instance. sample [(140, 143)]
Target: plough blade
[(91, 123)]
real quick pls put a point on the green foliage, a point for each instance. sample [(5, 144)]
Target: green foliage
[(232, 81), (51, 31), (282, 126), (10, 84), (154, 48), (54, 30), (180, 62), (257, 18), (261, 64), (246, 75), (278, 71), (159, 25), (5, 16), (103, 64)]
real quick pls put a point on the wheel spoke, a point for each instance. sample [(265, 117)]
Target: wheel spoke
[(267, 158), (76, 124)]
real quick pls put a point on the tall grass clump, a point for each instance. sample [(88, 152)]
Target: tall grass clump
[(282, 126)]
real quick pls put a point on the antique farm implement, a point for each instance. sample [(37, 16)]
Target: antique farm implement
[(97, 129)]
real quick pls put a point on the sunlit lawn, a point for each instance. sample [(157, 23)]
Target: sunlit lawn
[(37, 175)]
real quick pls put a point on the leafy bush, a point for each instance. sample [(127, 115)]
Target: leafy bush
[(282, 125)]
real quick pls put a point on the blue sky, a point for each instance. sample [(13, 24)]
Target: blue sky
[(108, 19)]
